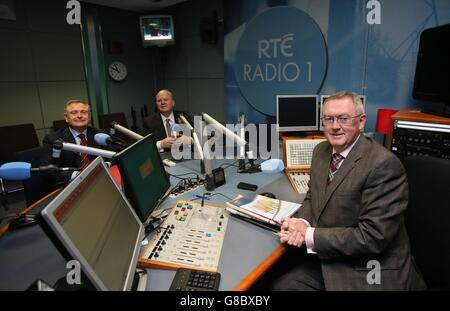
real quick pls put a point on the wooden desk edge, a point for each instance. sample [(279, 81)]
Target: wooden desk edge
[(29, 208), (258, 272)]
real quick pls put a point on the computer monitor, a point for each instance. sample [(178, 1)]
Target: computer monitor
[(157, 30), (324, 97), (94, 224), (297, 113), (144, 178)]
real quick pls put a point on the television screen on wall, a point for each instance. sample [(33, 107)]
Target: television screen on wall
[(157, 30)]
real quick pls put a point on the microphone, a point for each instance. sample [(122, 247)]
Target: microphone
[(175, 130), (23, 170), (104, 140), (126, 131), (89, 150), (57, 148)]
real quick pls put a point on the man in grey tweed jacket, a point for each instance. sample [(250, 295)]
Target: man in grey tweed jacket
[(352, 217)]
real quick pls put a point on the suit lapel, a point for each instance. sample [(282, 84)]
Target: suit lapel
[(68, 137), (347, 166)]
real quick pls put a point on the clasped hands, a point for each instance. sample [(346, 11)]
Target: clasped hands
[(293, 231)]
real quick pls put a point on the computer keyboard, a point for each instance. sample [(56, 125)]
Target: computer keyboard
[(195, 280), (299, 181)]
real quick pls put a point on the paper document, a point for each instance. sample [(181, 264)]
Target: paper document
[(263, 208)]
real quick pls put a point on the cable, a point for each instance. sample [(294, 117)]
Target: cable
[(208, 196), (178, 176), (229, 165)]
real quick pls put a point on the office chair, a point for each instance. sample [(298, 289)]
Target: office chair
[(58, 124), (427, 218), (36, 187), (18, 137), (119, 117)]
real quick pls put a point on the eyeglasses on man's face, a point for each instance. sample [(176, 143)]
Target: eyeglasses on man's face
[(343, 120), (77, 112)]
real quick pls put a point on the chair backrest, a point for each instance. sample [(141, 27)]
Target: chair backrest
[(16, 138), (35, 187), (107, 119), (427, 218), (58, 124), (119, 117)]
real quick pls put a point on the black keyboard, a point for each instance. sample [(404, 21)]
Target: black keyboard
[(195, 280)]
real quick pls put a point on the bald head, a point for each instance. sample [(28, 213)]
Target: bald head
[(165, 102)]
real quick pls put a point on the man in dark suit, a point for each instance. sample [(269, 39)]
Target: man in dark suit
[(77, 114), (161, 122), (352, 217)]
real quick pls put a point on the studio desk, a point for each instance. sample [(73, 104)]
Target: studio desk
[(248, 251)]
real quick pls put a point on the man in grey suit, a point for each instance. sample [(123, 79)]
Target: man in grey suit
[(352, 217)]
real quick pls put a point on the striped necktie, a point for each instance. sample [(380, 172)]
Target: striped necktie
[(334, 165), (168, 127), (84, 156)]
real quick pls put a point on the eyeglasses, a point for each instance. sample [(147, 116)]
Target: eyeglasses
[(343, 120), (76, 112)]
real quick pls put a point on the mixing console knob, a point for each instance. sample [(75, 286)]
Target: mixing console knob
[(163, 242), (166, 237), (221, 216), (160, 248), (169, 232), (172, 226), (156, 255)]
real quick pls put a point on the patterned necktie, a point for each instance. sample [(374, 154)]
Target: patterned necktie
[(334, 165), (168, 127), (84, 156)]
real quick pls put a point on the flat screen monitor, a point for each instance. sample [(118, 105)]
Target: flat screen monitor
[(297, 113), (144, 178), (431, 80), (324, 97), (94, 223), (157, 30)]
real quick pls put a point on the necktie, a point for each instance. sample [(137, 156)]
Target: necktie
[(334, 165), (84, 156), (168, 127)]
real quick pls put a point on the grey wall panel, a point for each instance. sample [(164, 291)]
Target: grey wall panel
[(179, 89), (136, 94), (54, 95), (50, 16), (41, 134), (19, 11), (205, 60), (19, 103), (15, 56), (175, 59), (207, 95), (58, 57)]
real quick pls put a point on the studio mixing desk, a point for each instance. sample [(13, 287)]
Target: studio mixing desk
[(247, 250)]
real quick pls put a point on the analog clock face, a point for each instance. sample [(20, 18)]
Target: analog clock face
[(117, 71)]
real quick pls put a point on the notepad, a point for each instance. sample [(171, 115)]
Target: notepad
[(262, 208)]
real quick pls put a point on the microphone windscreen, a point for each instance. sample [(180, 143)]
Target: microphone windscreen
[(176, 127), (15, 171), (102, 139), (272, 166)]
